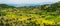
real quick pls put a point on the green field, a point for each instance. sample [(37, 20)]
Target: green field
[(43, 15)]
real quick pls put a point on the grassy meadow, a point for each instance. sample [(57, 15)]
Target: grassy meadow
[(43, 15)]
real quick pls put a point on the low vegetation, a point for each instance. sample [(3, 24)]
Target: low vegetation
[(43, 15)]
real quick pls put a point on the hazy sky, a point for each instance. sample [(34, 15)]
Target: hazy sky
[(26, 1)]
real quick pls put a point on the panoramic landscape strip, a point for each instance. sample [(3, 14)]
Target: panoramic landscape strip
[(37, 15)]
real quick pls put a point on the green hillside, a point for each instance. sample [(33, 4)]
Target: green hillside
[(43, 15)]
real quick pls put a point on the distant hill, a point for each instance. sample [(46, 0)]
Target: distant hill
[(21, 5), (46, 7), (6, 6)]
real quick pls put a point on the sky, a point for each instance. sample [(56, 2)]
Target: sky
[(26, 1)]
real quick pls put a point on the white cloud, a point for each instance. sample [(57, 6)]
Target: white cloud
[(26, 1)]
